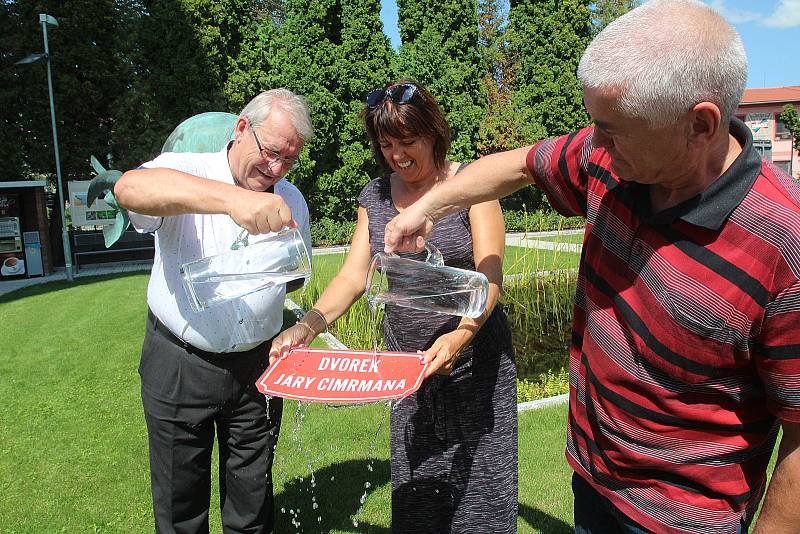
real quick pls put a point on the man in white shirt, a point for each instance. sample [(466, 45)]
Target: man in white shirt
[(199, 369)]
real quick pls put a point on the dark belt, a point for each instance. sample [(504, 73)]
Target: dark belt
[(165, 332)]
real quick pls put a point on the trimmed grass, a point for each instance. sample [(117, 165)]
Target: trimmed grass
[(527, 260), (73, 443), (564, 238)]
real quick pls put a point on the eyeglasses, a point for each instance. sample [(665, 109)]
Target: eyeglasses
[(401, 93), (272, 157)]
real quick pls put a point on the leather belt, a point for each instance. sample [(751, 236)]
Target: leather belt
[(159, 327)]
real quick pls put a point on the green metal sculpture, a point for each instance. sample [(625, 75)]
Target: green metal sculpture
[(206, 132)]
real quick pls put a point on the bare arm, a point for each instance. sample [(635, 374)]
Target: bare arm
[(165, 192), (488, 178), (488, 244), (780, 513), (345, 288)]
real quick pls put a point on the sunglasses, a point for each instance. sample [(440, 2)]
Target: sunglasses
[(399, 94)]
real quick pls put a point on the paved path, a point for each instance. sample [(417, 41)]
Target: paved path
[(513, 239), (531, 240), (7, 286)]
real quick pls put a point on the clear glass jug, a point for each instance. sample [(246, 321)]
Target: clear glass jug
[(276, 259), (426, 285)]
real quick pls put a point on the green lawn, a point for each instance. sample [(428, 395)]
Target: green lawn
[(517, 260), (526, 260), (73, 444), (562, 238)]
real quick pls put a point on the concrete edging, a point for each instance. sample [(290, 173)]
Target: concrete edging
[(542, 403)]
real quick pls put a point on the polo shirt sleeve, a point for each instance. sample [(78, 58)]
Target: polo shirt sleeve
[(559, 166), (777, 354), (171, 160)]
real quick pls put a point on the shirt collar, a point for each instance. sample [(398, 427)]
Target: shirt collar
[(719, 200), (712, 207)]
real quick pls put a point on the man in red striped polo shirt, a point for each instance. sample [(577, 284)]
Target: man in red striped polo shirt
[(685, 354)]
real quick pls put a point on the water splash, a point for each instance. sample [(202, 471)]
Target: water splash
[(370, 461)]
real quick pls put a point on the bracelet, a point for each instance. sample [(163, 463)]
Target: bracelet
[(307, 321)]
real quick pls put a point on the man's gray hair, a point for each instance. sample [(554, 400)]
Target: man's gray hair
[(259, 108), (664, 57)]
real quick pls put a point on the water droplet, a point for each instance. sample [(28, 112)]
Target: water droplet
[(314, 506), (367, 485), (283, 510)]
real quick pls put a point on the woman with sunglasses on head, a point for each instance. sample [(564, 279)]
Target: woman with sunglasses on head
[(453, 442)]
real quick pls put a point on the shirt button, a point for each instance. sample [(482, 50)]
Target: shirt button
[(637, 249)]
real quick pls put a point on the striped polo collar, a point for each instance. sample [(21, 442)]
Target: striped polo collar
[(712, 207)]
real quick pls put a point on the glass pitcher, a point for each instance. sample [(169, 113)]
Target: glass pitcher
[(427, 285), (276, 259)]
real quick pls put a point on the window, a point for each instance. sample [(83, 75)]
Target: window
[(781, 131)]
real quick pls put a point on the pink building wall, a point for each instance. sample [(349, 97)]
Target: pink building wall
[(759, 110)]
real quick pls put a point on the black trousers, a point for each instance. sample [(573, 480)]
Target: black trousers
[(188, 394)]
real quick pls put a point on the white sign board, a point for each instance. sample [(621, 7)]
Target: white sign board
[(100, 214), (761, 125)]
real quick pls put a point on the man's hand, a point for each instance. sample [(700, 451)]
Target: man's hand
[(260, 212), (407, 231)]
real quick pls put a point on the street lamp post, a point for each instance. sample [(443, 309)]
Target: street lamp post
[(33, 58)]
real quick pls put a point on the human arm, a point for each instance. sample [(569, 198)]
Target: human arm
[(488, 238), (778, 365), (165, 192), (780, 514), (345, 288), (488, 178)]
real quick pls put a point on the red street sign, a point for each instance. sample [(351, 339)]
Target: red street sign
[(330, 375)]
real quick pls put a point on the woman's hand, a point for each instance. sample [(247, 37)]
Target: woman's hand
[(295, 336), (445, 350)]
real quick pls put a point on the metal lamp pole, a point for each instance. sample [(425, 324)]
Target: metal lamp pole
[(45, 20), (34, 58)]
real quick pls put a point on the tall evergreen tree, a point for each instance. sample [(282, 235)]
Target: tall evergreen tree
[(363, 60), (182, 53), (250, 72), (499, 129), (24, 112), (86, 74), (440, 51), (333, 52), (303, 60), (548, 37), (606, 11)]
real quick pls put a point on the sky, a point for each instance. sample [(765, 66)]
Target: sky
[(770, 30)]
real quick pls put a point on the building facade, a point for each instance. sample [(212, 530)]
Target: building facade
[(759, 110)]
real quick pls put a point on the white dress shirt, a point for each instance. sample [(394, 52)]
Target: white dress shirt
[(231, 326)]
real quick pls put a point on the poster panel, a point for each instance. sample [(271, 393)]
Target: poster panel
[(100, 214)]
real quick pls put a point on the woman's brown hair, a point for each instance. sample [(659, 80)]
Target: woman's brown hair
[(420, 117)]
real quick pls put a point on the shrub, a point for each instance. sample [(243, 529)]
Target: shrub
[(547, 384), (326, 232)]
